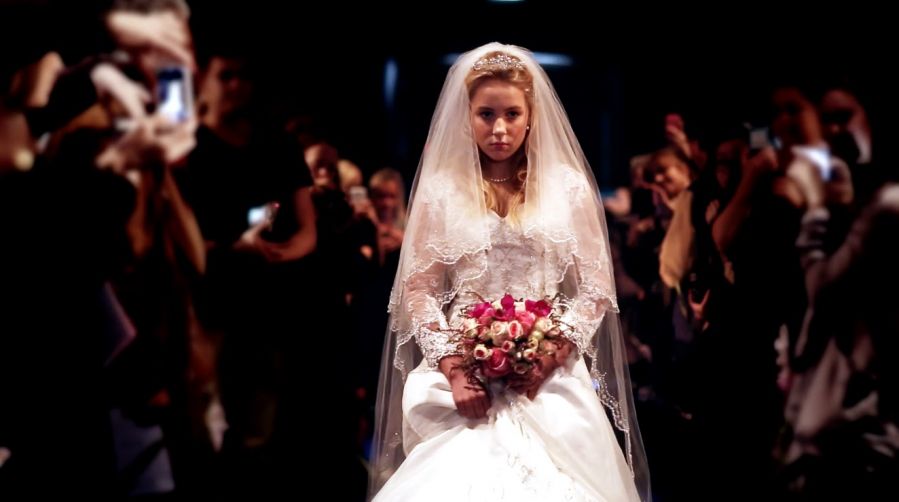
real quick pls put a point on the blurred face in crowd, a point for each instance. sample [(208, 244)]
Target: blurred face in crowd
[(795, 119), (638, 166), (727, 161), (499, 118), (846, 126), (386, 199), (322, 161), (671, 174), (227, 88)]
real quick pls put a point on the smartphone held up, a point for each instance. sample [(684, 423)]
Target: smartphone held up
[(263, 215), (760, 138), (174, 93), (358, 195)]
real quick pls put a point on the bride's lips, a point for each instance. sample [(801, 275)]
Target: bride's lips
[(499, 146)]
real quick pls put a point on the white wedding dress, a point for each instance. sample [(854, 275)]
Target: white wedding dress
[(560, 446)]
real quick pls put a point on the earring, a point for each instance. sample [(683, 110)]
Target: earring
[(528, 128)]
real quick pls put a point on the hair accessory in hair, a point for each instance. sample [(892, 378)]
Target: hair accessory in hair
[(498, 62)]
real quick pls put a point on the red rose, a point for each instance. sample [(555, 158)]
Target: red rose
[(498, 365)]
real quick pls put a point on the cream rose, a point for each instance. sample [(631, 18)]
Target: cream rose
[(482, 353)]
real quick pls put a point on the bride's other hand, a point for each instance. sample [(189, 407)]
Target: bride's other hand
[(530, 383), (472, 400)]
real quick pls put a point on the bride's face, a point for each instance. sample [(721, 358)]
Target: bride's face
[(499, 118)]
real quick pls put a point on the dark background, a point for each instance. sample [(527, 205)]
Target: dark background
[(630, 66)]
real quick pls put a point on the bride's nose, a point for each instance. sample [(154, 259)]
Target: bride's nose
[(499, 127)]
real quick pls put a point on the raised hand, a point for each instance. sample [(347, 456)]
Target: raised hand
[(111, 83), (152, 140), (162, 32)]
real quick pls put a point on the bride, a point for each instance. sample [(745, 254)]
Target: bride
[(504, 202)]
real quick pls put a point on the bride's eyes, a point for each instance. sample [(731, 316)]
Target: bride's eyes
[(487, 114)]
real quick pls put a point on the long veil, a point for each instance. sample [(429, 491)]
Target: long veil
[(445, 226)]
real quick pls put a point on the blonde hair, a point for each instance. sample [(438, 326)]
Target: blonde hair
[(498, 65), (349, 174), (386, 175)]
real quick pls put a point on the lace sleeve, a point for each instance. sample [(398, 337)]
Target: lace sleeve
[(587, 283), (429, 324), (585, 312)]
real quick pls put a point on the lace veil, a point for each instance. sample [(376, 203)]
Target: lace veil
[(447, 226)]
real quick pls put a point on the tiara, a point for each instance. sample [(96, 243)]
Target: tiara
[(498, 62)]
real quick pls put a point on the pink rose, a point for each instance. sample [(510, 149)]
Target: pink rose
[(505, 311), (540, 308), (526, 319), (505, 315), (515, 330), (508, 346), (487, 317), (508, 302), (498, 365), (479, 310)]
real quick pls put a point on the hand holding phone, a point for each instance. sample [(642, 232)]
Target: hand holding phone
[(174, 93), (358, 195), (263, 215), (130, 97), (361, 204), (759, 138)]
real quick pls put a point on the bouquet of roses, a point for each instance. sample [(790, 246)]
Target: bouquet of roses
[(507, 337)]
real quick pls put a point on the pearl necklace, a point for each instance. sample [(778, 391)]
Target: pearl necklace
[(498, 180)]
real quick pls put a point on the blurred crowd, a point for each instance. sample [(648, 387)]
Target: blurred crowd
[(178, 268), (748, 274), (193, 291)]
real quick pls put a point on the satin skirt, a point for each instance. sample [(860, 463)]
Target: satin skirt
[(560, 446)]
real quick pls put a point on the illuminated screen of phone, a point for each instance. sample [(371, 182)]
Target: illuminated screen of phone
[(174, 94)]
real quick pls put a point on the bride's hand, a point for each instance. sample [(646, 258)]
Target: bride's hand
[(530, 383), (472, 400)]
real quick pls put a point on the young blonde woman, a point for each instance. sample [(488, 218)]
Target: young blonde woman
[(504, 202)]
